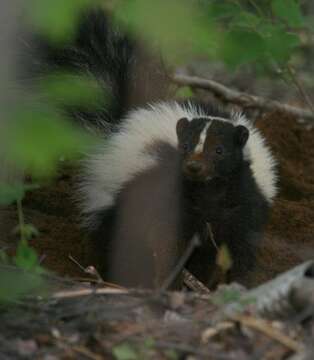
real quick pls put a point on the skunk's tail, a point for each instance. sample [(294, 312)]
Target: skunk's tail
[(127, 73)]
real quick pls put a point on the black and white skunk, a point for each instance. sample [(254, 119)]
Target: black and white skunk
[(220, 172), (167, 171)]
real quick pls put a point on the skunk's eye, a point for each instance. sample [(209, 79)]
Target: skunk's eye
[(219, 150), (185, 146)]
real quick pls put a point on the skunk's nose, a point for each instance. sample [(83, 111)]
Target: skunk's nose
[(194, 167)]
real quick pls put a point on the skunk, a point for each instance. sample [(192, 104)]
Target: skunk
[(165, 171), (223, 175)]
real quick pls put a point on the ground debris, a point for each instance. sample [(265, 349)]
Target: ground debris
[(138, 324)]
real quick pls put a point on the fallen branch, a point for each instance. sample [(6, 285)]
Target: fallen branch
[(85, 292), (240, 98), (266, 328)]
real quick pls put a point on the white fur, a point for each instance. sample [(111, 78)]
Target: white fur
[(263, 164), (125, 154), (200, 146)]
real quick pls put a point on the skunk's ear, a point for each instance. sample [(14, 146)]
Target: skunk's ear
[(182, 125), (241, 135)]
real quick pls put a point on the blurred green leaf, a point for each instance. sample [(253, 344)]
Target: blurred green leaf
[(15, 283), (125, 352), (26, 257), (224, 258), (27, 231), (226, 296), (184, 92), (11, 193), (280, 44), (72, 89), (241, 46), (289, 11), (178, 28), (56, 19), (148, 342), (221, 10), (4, 258), (37, 139), (246, 20)]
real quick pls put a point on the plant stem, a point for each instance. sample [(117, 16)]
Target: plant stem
[(21, 219), (300, 87)]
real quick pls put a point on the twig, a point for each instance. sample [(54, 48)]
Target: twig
[(191, 350), (87, 353), (240, 98), (42, 258), (211, 235), (76, 348), (213, 331), (76, 262), (266, 328), (85, 292), (91, 270), (194, 284), (194, 242), (20, 219), (300, 88)]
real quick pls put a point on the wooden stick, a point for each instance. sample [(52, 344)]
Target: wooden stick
[(266, 328), (85, 292)]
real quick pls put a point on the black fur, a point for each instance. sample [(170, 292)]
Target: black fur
[(120, 64), (224, 194)]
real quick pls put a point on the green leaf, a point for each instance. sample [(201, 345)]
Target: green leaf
[(28, 231), (26, 257), (280, 44), (124, 352), (4, 258), (37, 139), (148, 343), (72, 89), (224, 258), (245, 20), (177, 27), (226, 296), (241, 46), (11, 193), (56, 19), (289, 11), (15, 283), (222, 10), (184, 92)]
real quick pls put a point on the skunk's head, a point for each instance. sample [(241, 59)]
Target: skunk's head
[(210, 148)]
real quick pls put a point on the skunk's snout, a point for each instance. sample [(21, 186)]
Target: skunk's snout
[(194, 167), (195, 170)]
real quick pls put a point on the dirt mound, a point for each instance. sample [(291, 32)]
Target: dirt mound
[(290, 235), (289, 238)]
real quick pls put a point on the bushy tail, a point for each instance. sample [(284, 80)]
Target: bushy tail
[(128, 74)]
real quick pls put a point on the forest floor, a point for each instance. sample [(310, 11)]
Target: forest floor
[(142, 325)]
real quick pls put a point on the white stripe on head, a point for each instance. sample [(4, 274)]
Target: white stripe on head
[(200, 146)]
